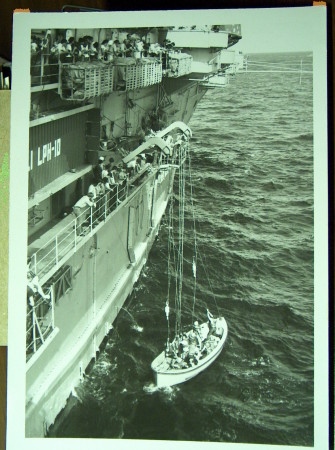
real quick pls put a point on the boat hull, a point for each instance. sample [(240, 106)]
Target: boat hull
[(165, 376)]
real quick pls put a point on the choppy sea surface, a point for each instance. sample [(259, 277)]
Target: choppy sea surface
[(252, 164)]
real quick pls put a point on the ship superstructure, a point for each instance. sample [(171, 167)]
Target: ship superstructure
[(109, 107)]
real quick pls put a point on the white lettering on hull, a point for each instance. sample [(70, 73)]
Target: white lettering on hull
[(48, 152)]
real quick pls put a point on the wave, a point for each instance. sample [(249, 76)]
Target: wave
[(305, 137)]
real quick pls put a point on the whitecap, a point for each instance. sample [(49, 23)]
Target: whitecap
[(75, 394), (150, 388), (170, 391)]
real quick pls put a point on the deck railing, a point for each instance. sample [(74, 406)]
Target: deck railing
[(40, 311), (51, 254), (81, 80), (44, 69), (39, 321)]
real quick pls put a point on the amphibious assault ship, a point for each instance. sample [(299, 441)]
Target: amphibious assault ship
[(109, 108)]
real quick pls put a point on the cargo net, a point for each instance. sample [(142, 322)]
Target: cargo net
[(85, 80), (178, 64), (135, 75)]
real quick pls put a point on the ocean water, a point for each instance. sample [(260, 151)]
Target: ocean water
[(252, 166)]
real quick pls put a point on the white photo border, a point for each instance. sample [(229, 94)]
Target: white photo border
[(316, 20)]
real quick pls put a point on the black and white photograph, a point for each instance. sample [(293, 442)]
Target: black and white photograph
[(168, 230)]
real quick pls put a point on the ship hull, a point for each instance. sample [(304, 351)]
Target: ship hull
[(86, 314)]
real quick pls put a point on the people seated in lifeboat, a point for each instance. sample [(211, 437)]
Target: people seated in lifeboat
[(178, 354), (194, 335), (194, 355), (184, 347), (178, 363), (196, 328), (216, 326), (211, 320), (204, 331), (200, 331), (219, 326)]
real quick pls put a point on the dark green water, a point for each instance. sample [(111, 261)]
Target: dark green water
[(252, 159)]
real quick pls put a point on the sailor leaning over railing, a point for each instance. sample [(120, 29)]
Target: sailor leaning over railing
[(81, 211)]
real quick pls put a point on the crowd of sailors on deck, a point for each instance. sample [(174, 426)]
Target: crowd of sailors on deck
[(85, 49), (111, 183), (108, 188), (187, 350)]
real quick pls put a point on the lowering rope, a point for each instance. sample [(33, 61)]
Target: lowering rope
[(196, 251), (171, 248), (195, 258), (181, 215), (204, 265), (176, 249)]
